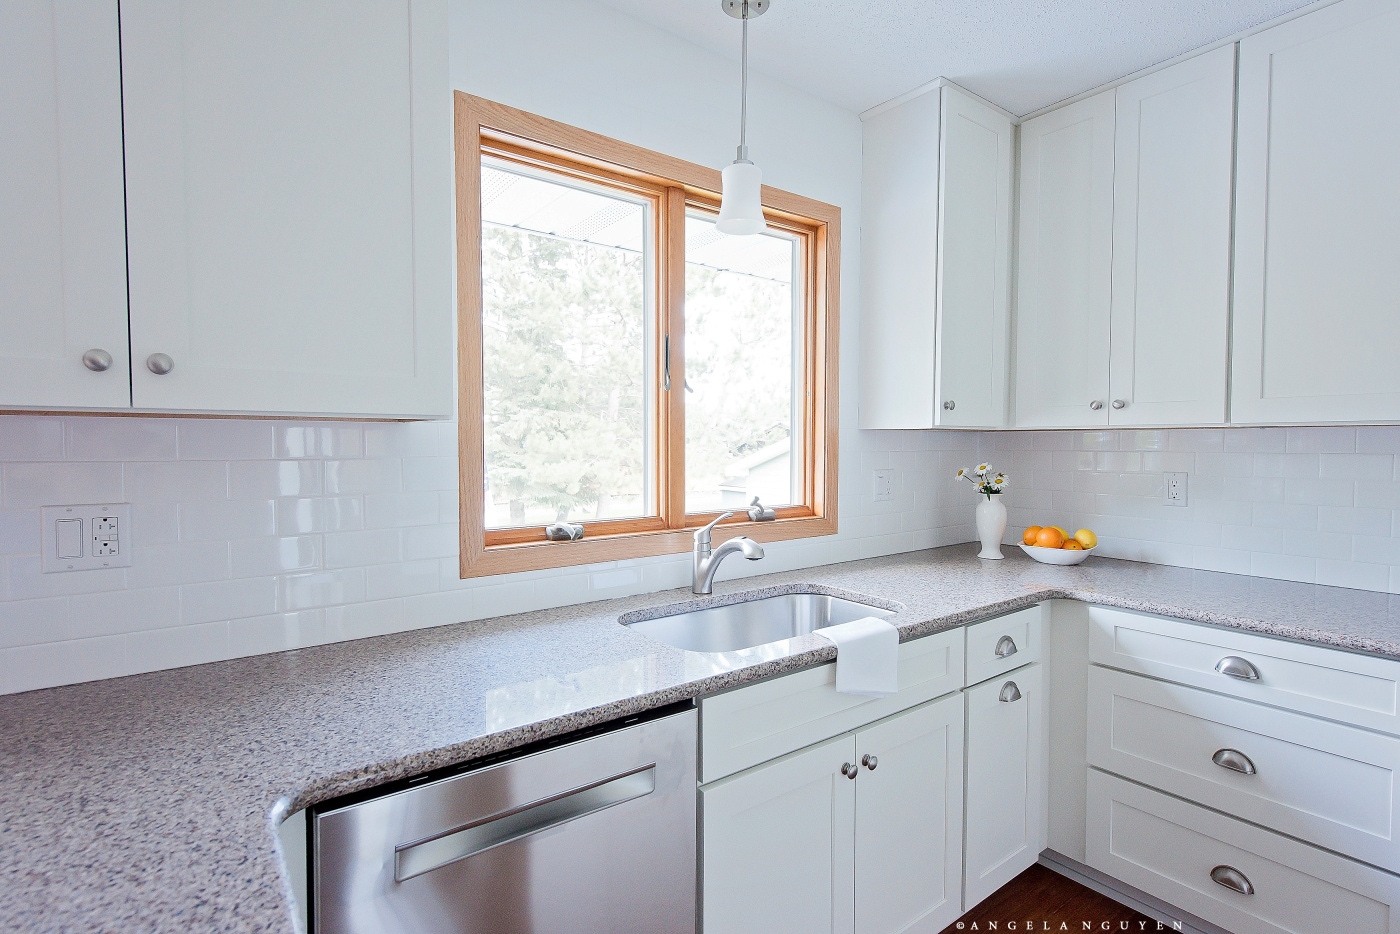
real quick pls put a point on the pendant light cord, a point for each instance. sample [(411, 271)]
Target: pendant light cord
[(744, 89)]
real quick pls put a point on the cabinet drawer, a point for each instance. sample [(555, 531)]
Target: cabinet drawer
[(1358, 689), (753, 724), (1330, 784), (1169, 848), (984, 641)]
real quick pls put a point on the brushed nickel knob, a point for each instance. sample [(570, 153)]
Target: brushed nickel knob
[(849, 770), (97, 360), (160, 363), (869, 761), (950, 405), (1119, 404), (1096, 405)]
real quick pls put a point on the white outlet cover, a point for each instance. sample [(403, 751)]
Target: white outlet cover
[(105, 540), (883, 485), (1174, 492)]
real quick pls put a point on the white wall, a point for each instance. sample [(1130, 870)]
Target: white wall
[(256, 536), (1319, 505)]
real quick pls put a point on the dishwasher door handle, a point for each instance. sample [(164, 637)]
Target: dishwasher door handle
[(414, 859)]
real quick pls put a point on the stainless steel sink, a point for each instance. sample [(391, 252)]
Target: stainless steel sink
[(743, 625)]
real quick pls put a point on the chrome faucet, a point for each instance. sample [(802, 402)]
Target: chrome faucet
[(706, 563)]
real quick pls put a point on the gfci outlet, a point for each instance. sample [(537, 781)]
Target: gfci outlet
[(85, 538), (1175, 489), (883, 488)]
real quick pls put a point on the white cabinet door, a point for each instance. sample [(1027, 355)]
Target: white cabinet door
[(1005, 780), (899, 261), (909, 821), (778, 850), (935, 280), (62, 236), (974, 282), (1316, 314), (1171, 244), (290, 222), (1066, 254)]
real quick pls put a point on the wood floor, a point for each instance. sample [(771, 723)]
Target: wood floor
[(1042, 900)]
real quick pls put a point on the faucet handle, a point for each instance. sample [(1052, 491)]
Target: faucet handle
[(702, 536)]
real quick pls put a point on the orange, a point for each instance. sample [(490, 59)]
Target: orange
[(1072, 545), (1030, 534), (1049, 538)]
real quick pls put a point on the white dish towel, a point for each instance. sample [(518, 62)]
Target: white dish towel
[(867, 656)]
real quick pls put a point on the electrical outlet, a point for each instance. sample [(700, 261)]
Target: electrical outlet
[(1175, 489), (85, 538), (883, 488)]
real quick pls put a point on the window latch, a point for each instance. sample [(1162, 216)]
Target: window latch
[(666, 366)]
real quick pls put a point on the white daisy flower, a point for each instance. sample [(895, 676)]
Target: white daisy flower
[(963, 472), (982, 469)]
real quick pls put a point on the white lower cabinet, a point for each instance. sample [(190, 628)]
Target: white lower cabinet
[(862, 833), (1239, 876), (1004, 813)]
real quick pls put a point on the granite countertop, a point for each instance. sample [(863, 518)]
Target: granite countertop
[(150, 803)]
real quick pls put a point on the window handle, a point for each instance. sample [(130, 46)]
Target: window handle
[(666, 363)]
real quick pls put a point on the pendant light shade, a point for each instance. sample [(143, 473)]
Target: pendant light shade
[(741, 201), (740, 208)]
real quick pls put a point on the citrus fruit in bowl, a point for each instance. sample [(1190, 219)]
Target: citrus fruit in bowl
[(1050, 544)]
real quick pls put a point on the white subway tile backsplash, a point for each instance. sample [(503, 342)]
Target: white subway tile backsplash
[(30, 622), (376, 475), (429, 541), (176, 481), (230, 599), (224, 439), (178, 563), (50, 484), (322, 588), (19, 531), (1358, 466), (266, 479), (329, 514), (53, 663), (180, 645), (26, 582), (359, 549), (118, 611), (266, 556), (396, 510), (319, 441), (207, 521), (113, 439), (1321, 441), (402, 579), (276, 632), (30, 438)]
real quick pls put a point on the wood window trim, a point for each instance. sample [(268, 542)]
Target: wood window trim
[(685, 184)]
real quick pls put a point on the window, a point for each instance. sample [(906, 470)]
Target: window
[(625, 366)]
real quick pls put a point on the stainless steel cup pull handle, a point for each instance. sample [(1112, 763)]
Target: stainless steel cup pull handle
[(1237, 667), (1232, 879), (1010, 693), (869, 761), (1006, 647), (849, 770), (1234, 760)]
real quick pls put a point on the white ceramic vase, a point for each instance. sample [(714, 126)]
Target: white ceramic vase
[(991, 526)]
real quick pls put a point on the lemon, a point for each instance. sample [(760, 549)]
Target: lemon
[(1086, 538)]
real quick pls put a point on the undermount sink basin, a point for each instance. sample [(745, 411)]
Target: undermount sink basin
[(743, 625)]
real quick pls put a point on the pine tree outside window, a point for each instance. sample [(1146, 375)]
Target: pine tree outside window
[(622, 364)]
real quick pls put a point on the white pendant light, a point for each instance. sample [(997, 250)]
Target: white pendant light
[(741, 208)]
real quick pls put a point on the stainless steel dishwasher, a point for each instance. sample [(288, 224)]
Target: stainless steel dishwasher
[(593, 836)]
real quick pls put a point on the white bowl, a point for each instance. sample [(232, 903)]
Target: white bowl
[(1056, 555)]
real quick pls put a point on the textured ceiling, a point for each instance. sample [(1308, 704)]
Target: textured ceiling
[(1020, 54)]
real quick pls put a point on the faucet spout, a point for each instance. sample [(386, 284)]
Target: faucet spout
[(705, 562)]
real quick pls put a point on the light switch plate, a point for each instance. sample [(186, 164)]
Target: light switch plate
[(85, 538)]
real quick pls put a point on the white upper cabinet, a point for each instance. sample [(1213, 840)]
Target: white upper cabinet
[(1171, 244), (62, 238), (1317, 284), (289, 189), (935, 262), (1124, 289), (1066, 253)]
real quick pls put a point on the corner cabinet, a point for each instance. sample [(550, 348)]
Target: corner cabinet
[(1124, 284), (1316, 315), (62, 223), (271, 186), (935, 262)]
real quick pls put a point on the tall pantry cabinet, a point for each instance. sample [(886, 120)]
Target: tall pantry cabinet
[(935, 261)]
